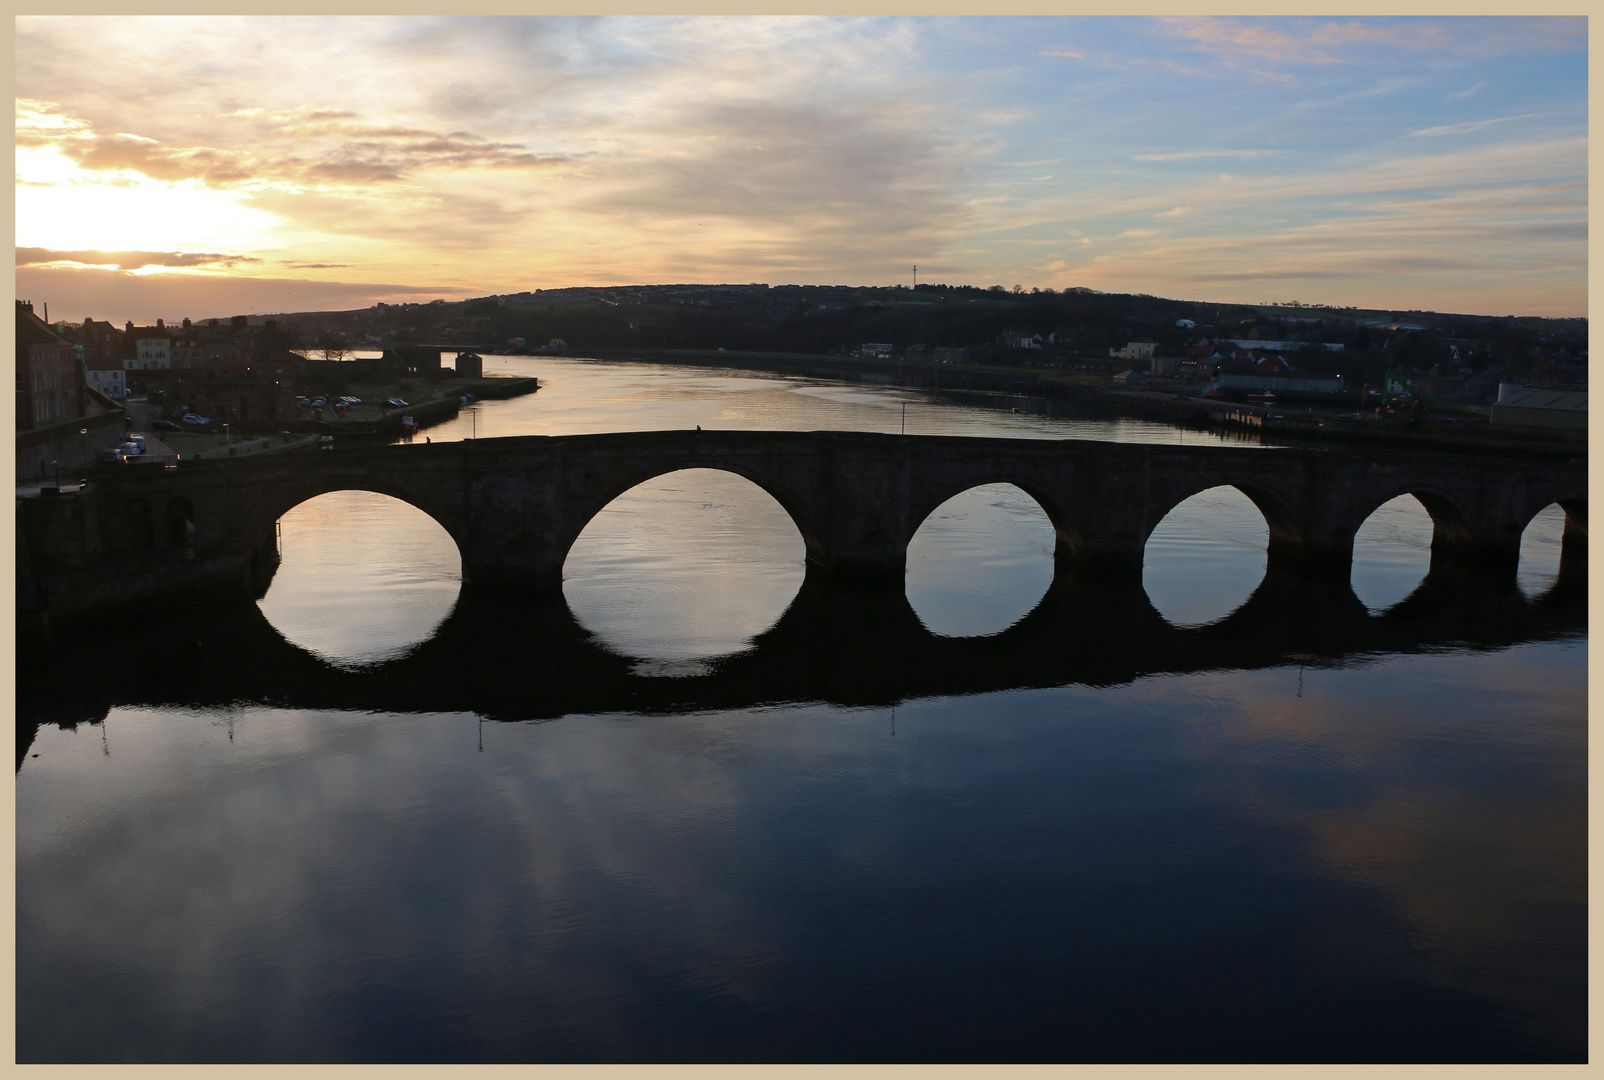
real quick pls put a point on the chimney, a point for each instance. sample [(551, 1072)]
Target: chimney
[(238, 322), (186, 324), (129, 327), (160, 325)]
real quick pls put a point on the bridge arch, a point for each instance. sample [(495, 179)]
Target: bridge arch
[(1208, 554), (685, 567), (1574, 503), (280, 499), (1287, 530), (179, 527), (141, 524), (1069, 542), (597, 499), (980, 560), (1451, 521)]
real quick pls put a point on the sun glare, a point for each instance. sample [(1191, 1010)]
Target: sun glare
[(143, 215)]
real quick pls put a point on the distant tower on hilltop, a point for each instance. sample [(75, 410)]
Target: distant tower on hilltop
[(916, 277)]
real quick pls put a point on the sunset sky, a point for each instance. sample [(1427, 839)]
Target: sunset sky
[(173, 166)]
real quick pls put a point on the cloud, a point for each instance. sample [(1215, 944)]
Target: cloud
[(1189, 154), (1477, 251), (847, 178), (1468, 92), (316, 146), (129, 260), (1295, 41), (1474, 125), (1230, 69), (1175, 211), (131, 154), (117, 296), (291, 116), (318, 266)]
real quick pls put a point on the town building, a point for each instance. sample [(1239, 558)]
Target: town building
[(49, 388), (1135, 350), (147, 348), (1552, 408)]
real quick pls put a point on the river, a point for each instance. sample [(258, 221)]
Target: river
[(706, 808)]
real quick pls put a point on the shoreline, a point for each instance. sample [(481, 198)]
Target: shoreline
[(1279, 423)]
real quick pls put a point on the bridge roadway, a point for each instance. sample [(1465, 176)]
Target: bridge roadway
[(520, 658), (515, 506)]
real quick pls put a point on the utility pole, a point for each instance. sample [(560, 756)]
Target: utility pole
[(916, 277)]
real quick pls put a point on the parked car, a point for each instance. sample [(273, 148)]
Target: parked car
[(132, 449), (167, 425), (197, 420), (317, 403), (113, 455), (137, 438), (395, 403)]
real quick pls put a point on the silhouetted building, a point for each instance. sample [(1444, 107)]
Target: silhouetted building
[(49, 386)]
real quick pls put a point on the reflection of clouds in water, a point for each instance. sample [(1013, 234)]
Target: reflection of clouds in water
[(363, 578), (1455, 785), (1205, 558), (693, 564), (588, 869), (980, 561), (1391, 552), (271, 883)]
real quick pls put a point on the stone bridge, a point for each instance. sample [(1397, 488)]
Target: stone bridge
[(515, 506)]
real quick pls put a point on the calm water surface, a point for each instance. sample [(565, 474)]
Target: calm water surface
[(1215, 843)]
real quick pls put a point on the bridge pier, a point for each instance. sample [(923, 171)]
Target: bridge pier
[(1573, 542)]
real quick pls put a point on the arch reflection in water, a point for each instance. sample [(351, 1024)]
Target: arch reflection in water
[(1540, 546), (1206, 557), (1391, 552), (684, 568), (980, 562), (362, 579)]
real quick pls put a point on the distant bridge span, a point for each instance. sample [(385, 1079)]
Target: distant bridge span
[(515, 506)]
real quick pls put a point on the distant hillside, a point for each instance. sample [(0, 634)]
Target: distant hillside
[(989, 323)]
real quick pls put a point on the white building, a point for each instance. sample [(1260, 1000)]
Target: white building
[(1540, 407), (108, 381), (153, 348)]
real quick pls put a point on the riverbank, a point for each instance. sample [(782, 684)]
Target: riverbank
[(369, 423), (1297, 423)]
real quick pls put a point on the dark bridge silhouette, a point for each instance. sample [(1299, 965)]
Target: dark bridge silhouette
[(515, 506), (508, 658)]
